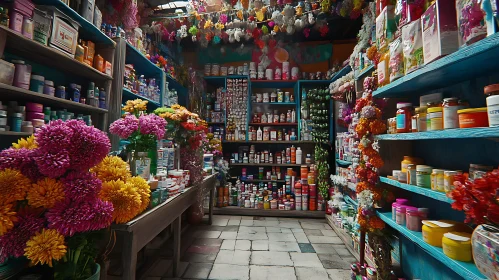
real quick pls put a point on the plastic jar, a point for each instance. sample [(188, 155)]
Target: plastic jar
[(400, 215), (404, 117), (423, 176), (411, 174), (450, 106), (16, 122), (449, 180), (492, 91), (434, 120), (3, 118), (409, 160), (475, 117), (422, 118), (478, 168), (60, 92), (457, 246), (413, 219), (49, 89), (22, 74), (437, 180), (27, 126), (394, 210), (36, 83)]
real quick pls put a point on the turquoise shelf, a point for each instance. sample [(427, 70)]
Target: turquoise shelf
[(140, 62), (274, 103), (314, 82), (466, 270), (345, 70), (349, 200), (480, 57), (128, 95), (366, 70), (458, 133), (343, 162), (273, 83), (415, 189), (87, 29)]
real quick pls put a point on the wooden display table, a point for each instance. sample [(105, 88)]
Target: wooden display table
[(145, 227)]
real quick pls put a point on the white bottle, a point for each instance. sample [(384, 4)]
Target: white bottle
[(299, 155), (259, 136), (293, 116), (245, 158)]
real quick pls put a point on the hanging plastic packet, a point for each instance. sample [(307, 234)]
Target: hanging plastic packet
[(412, 42), (396, 60)]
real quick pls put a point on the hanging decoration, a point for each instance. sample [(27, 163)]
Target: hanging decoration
[(365, 32)]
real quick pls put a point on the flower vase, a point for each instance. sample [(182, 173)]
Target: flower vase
[(96, 275), (140, 164)]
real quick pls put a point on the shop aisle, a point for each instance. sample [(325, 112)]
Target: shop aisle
[(258, 248)]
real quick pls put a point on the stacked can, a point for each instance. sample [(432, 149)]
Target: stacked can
[(298, 200), (285, 70), (288, 184), (304, 197), (312, 206)]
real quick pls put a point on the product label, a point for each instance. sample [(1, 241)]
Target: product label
[(382, 72), (493, 112), (450, 117), (400, 121), (414, 124)]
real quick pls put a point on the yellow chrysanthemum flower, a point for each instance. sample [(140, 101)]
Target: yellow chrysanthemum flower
[(7, 217), (46, 193), (142, 187), (125, 199), (111, 168), (13, 185), (132, 106), (45, 246), (178, 107), (28, 143)]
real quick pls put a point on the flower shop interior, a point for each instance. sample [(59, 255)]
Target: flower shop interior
[(238, 139)]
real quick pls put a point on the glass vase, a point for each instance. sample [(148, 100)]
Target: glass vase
[(140, 165)]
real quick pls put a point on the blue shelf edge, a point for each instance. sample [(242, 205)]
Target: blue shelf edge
[(133, 95), (146, 62), (343, 162), (415, 189), (448, 69), (91, 31), (349, 200), (466, 270), (457, 133), (364, 72), (275, 103), (345, 70)]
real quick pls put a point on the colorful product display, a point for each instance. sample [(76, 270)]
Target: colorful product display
[(141, 86)]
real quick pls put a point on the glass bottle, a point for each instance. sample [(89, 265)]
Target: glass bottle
[(404, 116)]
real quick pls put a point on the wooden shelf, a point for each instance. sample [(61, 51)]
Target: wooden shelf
[(19, 45), (481, 57), (274, 124), (457, 133), (263, 181), (415, 189), (129, 95), (13, 133), (467, 270), (14, 93), (267, 164), (239, 211)]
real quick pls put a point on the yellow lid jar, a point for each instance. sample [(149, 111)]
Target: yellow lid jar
[(433, 231), (457, 246)]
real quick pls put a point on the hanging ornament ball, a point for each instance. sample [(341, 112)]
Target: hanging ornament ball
[(271, 24)]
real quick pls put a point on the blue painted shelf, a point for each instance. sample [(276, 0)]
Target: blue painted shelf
[(458, 133), (364, 72), (87, 29), (275, 103), (343, 162), (345, 70), (415, 189), (349, 200), (273, 83), (315, 82), (453, 68), (140, 62), (465, 269), (128, 95)]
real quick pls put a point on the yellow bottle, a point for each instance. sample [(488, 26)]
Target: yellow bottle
[(80, 52), (383, 69)]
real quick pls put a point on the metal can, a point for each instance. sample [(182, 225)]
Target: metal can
[(280, 97), (286, 97), (277, 73)]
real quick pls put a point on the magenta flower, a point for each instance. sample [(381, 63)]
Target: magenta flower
[(52, 163), (223, 18), (89, 146), (22, 160), (54, 135), (79, 186), (124, 127), (152, 124), (71, 217), (14, 241)]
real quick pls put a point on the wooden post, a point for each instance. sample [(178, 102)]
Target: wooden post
[(176, 245), (362, 247), (129, 257)]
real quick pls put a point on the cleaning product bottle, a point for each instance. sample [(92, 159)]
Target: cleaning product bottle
[(259, 135), (299, 155)]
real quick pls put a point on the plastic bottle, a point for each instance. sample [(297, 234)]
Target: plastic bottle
[(80, 52), (293, 155), (299, 155), (259, 135), (293, 116)]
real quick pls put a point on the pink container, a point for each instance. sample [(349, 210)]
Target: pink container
[(412, 219), (22, 74), (401, 201), (18, 11), (394, 210), (34, 107), (34, 115), (400, 215)]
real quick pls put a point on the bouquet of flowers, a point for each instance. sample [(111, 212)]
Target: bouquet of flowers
[(49, 201), (140, 129), (214, 146)]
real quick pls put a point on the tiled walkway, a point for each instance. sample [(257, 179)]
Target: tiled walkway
[(258, 248)]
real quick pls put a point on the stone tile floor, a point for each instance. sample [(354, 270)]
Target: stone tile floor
[(258, 248)]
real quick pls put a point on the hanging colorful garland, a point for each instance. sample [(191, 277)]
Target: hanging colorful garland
[(369, 195)]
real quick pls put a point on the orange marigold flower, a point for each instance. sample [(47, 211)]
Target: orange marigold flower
[(13, 185), (46, 193)]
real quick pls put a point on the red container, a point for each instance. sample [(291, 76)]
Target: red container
[(312, 205), (475, 117), (313, 191), (304, 189)]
